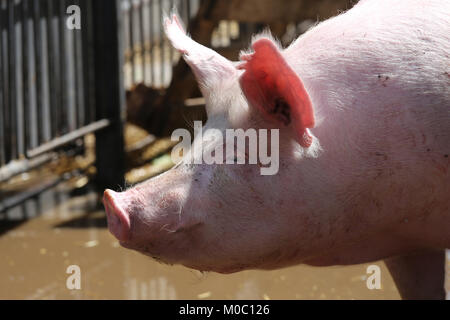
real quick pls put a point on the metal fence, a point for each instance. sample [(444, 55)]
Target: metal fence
[(58, 84), (149, 57), (46, 77)]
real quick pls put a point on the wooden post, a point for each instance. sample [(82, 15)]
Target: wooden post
[(109, 93)]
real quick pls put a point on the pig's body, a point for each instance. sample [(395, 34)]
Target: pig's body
[(379, 80), (374, 183)]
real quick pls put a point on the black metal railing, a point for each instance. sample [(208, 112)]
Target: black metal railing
[(45, 91), (58, 84)]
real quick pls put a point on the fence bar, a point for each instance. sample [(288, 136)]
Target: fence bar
[(12, 79), (25, 69), (69, 74), (161, 46), (38, 70), (53, 70), (16, 167), (3, 105), (64, 120), (69, 137), (18, 75), (46, 87), (171, 4), (17, 199), (79, 88), (142, 40), (110, 93), (151, 39), (132, 40), (87, 39)]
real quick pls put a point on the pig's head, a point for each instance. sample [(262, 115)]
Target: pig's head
[(228, 217)]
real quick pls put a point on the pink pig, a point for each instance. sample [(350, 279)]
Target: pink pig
[(362, 104)]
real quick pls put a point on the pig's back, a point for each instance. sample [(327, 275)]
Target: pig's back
[(383, 65), (406, 43)]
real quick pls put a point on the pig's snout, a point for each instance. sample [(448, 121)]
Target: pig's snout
[(118, 219)]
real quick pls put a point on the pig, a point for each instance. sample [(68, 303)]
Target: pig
[(362, 105)]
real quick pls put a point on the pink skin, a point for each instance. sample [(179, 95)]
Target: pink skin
[(374, 183)]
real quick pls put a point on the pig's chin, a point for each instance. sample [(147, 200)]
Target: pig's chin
[(171, 247), (143, 250), (186, 254), (197, 260), (219, 269)]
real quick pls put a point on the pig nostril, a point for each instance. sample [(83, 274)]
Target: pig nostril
[(118, 219)]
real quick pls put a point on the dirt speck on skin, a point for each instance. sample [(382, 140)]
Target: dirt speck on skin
[(383, 79), (36, 259)]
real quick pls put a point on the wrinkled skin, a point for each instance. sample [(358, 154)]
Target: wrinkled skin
[(375, 182)]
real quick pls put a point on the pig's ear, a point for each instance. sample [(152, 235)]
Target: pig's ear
[(207, 65), (271, 85)]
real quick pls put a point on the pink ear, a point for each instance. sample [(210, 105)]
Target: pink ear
[(273, 87)]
